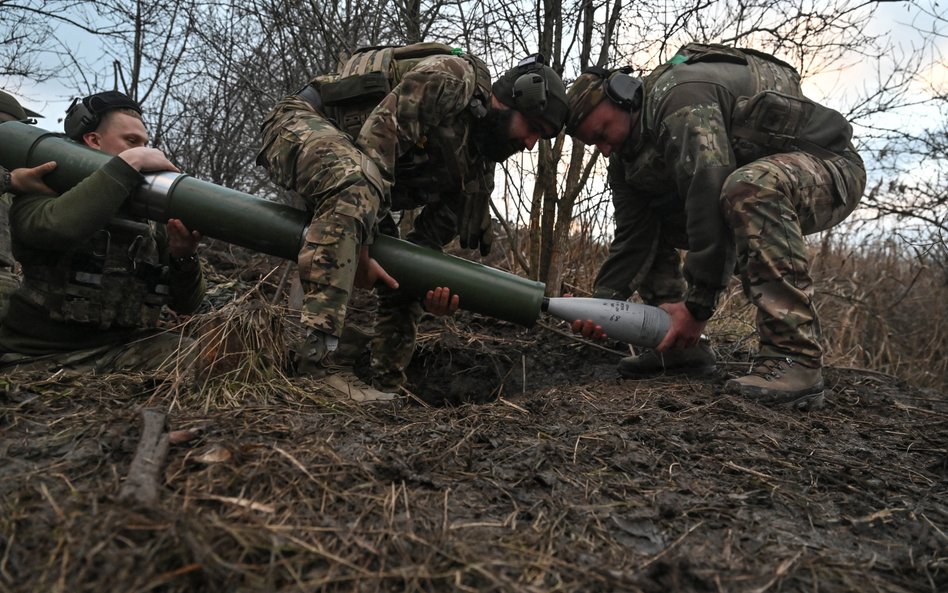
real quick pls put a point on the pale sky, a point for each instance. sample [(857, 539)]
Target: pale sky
[(53, 97)]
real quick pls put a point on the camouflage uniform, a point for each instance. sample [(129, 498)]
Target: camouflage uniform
[(394, 158), (695, 174), (93, 284), (9, 280)]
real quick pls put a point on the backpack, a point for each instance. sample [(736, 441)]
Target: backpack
[(371, 73)]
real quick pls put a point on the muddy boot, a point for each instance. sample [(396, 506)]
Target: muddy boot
[(309, 356), (781, 382), (696, 361), (356, 389)]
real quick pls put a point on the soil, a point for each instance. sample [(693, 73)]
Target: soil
[(521, 463)]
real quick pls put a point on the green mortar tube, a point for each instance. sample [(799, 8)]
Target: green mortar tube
[(275, 229)]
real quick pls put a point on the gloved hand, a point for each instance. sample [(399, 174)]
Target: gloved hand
[(475, 227)]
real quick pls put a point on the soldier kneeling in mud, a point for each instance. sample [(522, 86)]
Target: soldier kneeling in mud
[(94, 282)]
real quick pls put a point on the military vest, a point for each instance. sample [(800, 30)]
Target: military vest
[(114, 280), (443, 164), (776, 116), (6, 249)]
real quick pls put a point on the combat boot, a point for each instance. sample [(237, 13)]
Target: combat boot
[(781, 382), (695, 361), (355, 388), (353, 344), (309, 356)]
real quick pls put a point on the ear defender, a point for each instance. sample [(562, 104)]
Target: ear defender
[(620, 86), (84, 115), (530, 88), (624, 90)]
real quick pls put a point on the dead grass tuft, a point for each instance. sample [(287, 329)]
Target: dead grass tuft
[(238, 355)]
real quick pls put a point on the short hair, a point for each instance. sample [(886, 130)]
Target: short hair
[(126, 110)]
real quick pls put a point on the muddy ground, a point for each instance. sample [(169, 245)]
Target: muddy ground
[(561, 478)]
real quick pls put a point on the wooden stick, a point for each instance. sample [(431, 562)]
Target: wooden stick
[(141, 485)]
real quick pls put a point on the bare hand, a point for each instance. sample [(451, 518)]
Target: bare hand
[(181, 241), (441, 302), (685, 330), (30, 181), (145, 159), (588, 329), (370, 272)]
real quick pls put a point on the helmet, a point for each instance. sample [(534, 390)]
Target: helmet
[(85, 115), (535, 90), (596, 84), (8, 104)]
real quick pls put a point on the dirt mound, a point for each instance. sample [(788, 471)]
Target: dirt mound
[(567, 479)]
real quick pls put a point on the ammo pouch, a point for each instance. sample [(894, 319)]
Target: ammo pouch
[(113, 281), (771, 122)]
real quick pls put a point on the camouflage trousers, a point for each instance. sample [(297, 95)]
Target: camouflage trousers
[(658, 281), (770, 205), (304, 152), (396, 321), (9, 283), (150, 351)]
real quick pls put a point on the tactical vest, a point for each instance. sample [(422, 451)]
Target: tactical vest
[(6, 249), (776, 117), (114, 280), (441, 165)]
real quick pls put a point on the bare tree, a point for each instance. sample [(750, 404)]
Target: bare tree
[(29, 30), (209, 72)]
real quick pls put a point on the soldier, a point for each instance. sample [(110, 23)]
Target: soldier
[(719, 153), (94, 282), (396, 129), (17, 181)]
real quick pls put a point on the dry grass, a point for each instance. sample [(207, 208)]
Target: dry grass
[(882, 306), (237, 357), (640, 487)]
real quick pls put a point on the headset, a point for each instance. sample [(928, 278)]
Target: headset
[(530, 87), (620, 86), (84, 115)]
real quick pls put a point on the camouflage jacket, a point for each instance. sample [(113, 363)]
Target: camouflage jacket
[(90, 277), (4, 188), (419, 135), (6, 250), (681, 151), (6, 255)]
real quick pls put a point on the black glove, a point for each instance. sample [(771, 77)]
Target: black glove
[(476, 228)]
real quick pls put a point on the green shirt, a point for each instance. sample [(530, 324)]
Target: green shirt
[(49, 232)]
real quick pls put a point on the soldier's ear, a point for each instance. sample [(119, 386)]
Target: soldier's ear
[(92, 140)]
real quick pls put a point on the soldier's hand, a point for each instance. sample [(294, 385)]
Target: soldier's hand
[(588, 329), (441, 302), (370, 272), (145, 159), (30, 181), (181, 241), (685, 330)]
